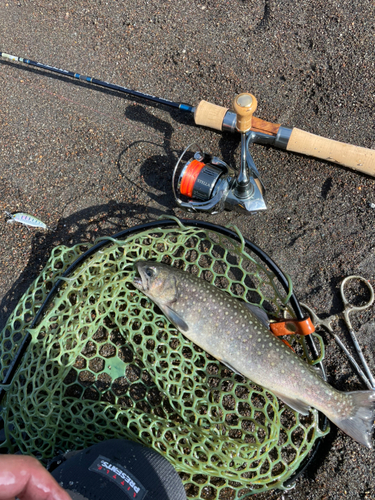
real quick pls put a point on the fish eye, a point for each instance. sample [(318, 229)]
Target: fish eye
[(150, 272)]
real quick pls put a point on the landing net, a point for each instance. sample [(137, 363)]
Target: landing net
[(104, 363)]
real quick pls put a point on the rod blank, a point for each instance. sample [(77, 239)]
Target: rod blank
[(100, 83)]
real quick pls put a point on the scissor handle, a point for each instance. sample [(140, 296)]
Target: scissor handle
[(347, 303)]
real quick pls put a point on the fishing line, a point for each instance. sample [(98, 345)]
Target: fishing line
[(41, 89)]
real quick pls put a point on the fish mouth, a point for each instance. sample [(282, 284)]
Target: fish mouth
[(140, 282), (137, 282)]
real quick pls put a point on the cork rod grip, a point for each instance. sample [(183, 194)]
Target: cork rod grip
[(354, 157), (209, 115)]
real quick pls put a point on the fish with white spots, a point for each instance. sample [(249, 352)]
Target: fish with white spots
[(237, 334)]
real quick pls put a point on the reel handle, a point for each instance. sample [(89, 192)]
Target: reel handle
[(244, 106)]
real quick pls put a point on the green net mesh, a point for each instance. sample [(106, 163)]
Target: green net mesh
[(105, 363)]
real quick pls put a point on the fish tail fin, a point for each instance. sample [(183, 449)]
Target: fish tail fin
[(358, 423)]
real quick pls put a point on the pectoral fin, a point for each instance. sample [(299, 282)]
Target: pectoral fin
[(174, 318), (259, 313)]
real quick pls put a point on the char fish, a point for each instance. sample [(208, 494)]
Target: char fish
[(237, 334)]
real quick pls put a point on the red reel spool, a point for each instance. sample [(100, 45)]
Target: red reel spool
[(189, 177), (198, 179)]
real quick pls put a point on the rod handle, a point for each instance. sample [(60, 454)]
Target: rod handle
[(354, 157), (210, 115)]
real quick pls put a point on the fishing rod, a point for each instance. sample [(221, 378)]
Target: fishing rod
[(208, 184)]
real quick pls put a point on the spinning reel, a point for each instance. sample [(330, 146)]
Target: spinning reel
[(208, 184)]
